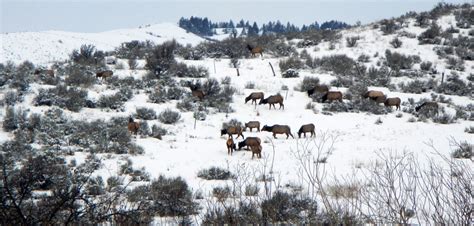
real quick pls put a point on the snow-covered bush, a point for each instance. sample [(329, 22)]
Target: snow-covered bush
[(443, 118), (396, 42), (352, 41), (398, 61), (14, 119), (145, 113), (291, 63), (251, 85), (183, 70), (431, 35), (463, 151), (455, 63), (336, 106), (290, 73), (363, 58), (286, 207), (88, 55), (113, 102), (134, 49), (388, 26), (187, 104), (339, 64), (415, 86), (77, 75), (215, 173), (72, 98), (464, 17), (378, 77), (169, 116), (144, 129), (469, 129), (161, 58), (174, 93), (426, 66), (11, 98), (158, 131), (455, 86), (308, 83), (167, 197), (233, 122)]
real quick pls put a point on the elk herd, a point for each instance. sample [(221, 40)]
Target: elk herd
[(254, 143)]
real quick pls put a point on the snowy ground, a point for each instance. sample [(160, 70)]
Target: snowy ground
[(188, 150)]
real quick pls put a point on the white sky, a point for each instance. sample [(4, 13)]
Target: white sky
[(102, 15)]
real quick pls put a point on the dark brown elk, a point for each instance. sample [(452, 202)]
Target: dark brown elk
[(428, 106), (44, 72), (254, 97), (251, 125), (319, 89), (133, 126), (272, 100), (233, 130), (332, 96), (374, 95), (249, 141), (256, 150), (278, 129), (230, 146), (104, 74), (198, 93), (308, 128), (255, 50), (393, 101)]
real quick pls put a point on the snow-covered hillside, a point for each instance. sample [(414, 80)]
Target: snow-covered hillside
[(348, 142), (49, 46)]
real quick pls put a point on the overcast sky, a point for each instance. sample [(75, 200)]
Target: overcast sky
[(103, 15)]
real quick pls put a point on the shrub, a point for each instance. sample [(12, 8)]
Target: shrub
[(339, 64), (232, 122), (416, 86), (221, 193), (72, 98), (169, 116), (187, 104), (215, 173), (308, 83), (352, 41), (291, 63), (285, 207), (146, 113), (114, 102), (251, 85), (182, 70), (363, 58), (396, 43), (444, 118), (388, 26), (290, 73), (464, 150), (161, 58), (455, 86), (431, 35), (11, 98), (398, 61), (454, 63), (79, 76), (158, 132), (469, 129), (88, 55), (426, 66)]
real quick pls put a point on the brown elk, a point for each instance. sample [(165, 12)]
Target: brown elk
[(256, 150), (332, 96), (393, 101), (104, 74), (376, 96), (278, 129), (255, 50), (45, 72), (254, 97), (196, 91), (230, 145), (251, 125), (308, 128), (133, 126), (249, 141), (233, 130), (319, 89), (428, 107), (272, 100)]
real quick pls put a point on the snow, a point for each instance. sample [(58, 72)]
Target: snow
[(48, 46), (186, 150)]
